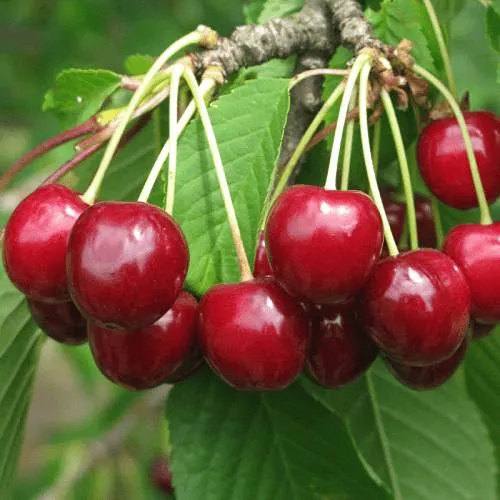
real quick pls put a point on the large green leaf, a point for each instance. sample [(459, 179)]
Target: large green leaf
[(405, 436), (493, 27), (236, 445), (19, 349), (279, 8), (482, 374)]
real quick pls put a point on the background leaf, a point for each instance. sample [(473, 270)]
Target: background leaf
[(138, 64), (240, 445), (493, 27), (279, 8)]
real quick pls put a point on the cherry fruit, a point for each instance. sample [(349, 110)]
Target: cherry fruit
[(145, 358), (340, 349), (261, 266), (254, 334), (396, 214), (323, 244), (62, 321), (35, 242), (426, 225), (416, 307), (126, 264), (443, 162), (476, 250), (161, 476), (189, 366)]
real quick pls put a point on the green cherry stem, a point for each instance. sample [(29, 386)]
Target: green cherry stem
[(331, 179), (443, 49), (405, 169), (349, 136), (245, 271), (316, 72), (436, 212), (476, 178), (376, 142), (370, 168), (174, 136), (192, 38), (206, 88)]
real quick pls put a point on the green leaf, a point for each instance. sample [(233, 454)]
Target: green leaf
[(493, 28), (404, 436), (279, 8), (248, 125), (79, 93), (482, 375), (20, 343), (446, 10), (138, 64), (236, 445), (252, 11)]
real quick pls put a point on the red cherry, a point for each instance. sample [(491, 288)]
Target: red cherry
[(476, 250), (62, 322), (190, 365), (161, 476), (261, 266), (253, 334), (323, 244), (126, 264), (145, 358), (36, 239), (340, 350), (426, 225), (443, 162), (428, 377), (416, 307), (396, 213)]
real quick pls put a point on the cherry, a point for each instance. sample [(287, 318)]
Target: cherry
[(476, 250), (126, 264), (62, 322), (161, 476), (261, 266), (416, 307), (340, 350), (443, 162), (189, 366), (35, 242), (253, 334), (426, 225), (428, 377), (323, 244), (145, 358), (396, 214)]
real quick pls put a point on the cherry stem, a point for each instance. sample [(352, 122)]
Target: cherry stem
[(436, 212), (51, 143), (192, 38), (245, 271), (376, 142), (349, 135), (405, 169), (476, 178), (443, 49), (331, 179), (206, 88), (370, 168), (316, 72), (174, 136)]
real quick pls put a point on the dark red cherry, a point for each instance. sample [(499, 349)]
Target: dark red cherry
[(428, 377), (426, 225), (340, 349), (476, 250), (62, 322), (126, 264), (161, 476), (481, 330), (36, 239), (145, 358), (443, 162), (190, 365), (261, 266), (416, 307), (323, 244), (253, 334), (396, 214)]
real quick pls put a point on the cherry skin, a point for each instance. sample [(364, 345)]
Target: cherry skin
[(261, 266), (476, 250), (161, 476), (144, 358), (396, 214), (62, 322), (426, 225), (323, 244), (443, 162), (126, 264), (428, 377), (254, 334), (189, 366), (416, 307), (35, 242), (340, 350)]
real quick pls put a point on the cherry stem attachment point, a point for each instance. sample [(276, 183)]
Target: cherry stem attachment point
[(331, 180), (245, 271), (405, 169), (370, 168), (349, 135), (476, 178), (192, 38)]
